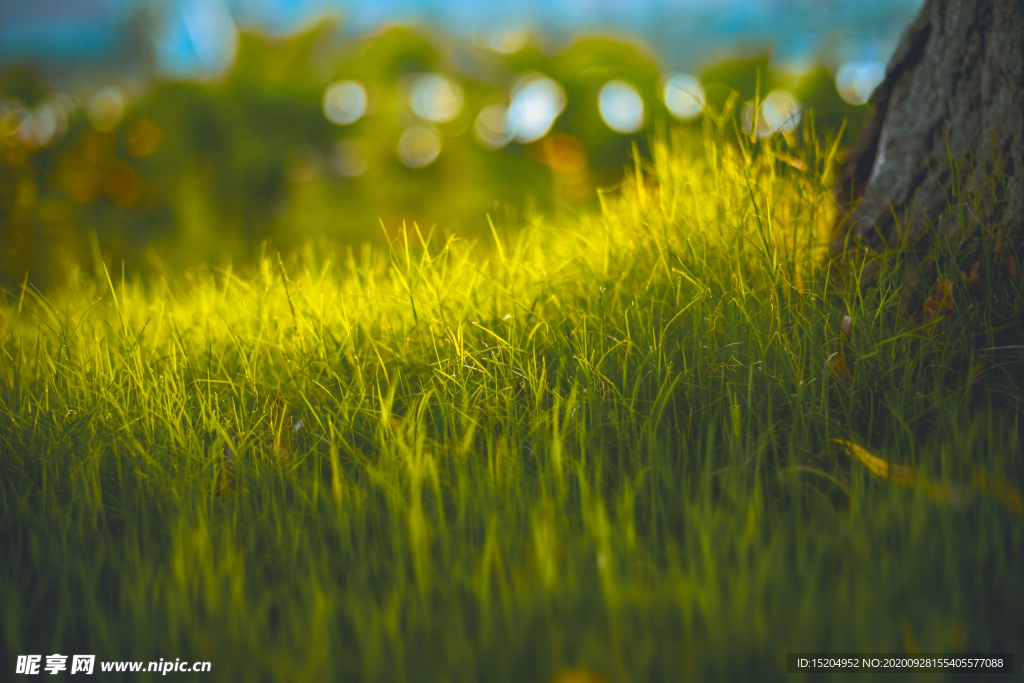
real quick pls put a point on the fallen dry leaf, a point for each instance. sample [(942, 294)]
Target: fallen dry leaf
[(975, 275), (947, 493), (940, 298), (901, 475)]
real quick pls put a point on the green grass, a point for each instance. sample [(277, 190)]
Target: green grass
[(598, 442)]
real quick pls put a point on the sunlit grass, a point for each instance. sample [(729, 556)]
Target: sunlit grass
[(598, 446)]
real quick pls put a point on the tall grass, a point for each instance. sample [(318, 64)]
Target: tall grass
[(599, 442)]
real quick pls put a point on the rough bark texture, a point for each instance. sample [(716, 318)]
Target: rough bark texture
[(953, 92)]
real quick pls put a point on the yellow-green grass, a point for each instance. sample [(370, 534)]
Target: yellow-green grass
[(596, 443)]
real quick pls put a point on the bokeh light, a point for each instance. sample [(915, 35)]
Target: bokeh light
[(536, 103), (238, 120), (684, 97), (419, 145), (573, 103), (106, 109), (490, 126), (781, 111), (345, 102), (435, 98), (621, 107), (855, 81), (37, 127)]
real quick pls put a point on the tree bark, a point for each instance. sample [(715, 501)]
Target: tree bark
[(948, 125)]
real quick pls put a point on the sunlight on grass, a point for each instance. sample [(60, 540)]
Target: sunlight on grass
[(593, 445)]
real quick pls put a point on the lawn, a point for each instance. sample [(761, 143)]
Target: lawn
[(639, 444)]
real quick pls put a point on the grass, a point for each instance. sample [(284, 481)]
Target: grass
[(598, 447)]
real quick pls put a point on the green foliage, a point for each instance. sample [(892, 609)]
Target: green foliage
[(206, 171), (748, 78), (600, 443), (584, 68), (830, 111), (23, 83)]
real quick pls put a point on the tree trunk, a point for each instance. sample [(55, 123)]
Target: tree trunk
[(948, 125)]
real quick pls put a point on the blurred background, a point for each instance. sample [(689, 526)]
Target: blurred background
[(161, 134)]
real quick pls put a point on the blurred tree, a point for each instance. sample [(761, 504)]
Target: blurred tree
[(583, 69), (204, 170), (25, 84), (945, 144)]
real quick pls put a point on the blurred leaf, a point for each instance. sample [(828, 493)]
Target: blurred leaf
[(1001, 491), (950, 494), (901, 475)]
